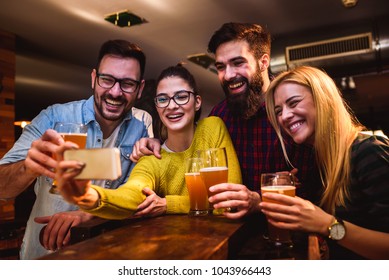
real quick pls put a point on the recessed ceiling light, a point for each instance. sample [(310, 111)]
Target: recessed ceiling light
[(124, 19), (204, 60)]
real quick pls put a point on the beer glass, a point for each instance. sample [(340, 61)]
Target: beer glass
[(74, 132), (282, 183), (215, 171), (197, 192)]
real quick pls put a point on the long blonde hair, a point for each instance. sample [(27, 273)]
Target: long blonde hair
[(335, 130)]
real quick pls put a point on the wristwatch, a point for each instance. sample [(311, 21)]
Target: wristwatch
[(337, 230)]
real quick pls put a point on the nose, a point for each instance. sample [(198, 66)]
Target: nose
[(172, 104), (287, 114), (229, 73), (116, 90)]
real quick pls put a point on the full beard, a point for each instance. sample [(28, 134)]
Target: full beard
[(246, 104)]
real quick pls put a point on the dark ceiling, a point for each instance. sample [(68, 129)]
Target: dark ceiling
[(57, 42)]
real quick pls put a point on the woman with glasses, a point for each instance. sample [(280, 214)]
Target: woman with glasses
[(155, 186)]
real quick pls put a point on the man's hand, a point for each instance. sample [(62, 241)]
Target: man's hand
[(152, 206), (39, 160), (234, 196), (145, 147), (56, 234)]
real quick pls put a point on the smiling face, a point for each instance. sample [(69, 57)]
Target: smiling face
[(113, 104), (240, 76), (177, 118), (295, 111)]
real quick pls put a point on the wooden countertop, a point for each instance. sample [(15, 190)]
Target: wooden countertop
[(180, 237)]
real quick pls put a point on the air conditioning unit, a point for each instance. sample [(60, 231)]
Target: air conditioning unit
[(325, 52)]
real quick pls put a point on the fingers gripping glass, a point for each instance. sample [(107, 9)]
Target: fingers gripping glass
[(127, 85), (180, 98)]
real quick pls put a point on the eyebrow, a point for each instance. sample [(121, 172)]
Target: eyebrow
[(290, 98), (286, 101), (231, 60)]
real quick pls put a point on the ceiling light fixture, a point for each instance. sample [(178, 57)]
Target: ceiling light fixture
[(349, 3), (203, 60), (125, 19)]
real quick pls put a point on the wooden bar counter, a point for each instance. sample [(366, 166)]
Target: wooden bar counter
[(173, 237)]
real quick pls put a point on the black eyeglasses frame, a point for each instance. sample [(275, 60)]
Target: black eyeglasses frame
[(174, 98), (99, 75)]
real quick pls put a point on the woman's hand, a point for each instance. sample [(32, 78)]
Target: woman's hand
[(295, 213), (152, 206)]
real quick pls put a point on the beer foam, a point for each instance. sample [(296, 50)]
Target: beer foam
[(278, 189), (212, 169), (63, 134), (192, 174)]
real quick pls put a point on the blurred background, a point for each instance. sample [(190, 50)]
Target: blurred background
[(56, 44)]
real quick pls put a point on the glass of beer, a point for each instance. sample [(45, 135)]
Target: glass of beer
[(283, 183), (215, 171), (197, 192), (74, 132)]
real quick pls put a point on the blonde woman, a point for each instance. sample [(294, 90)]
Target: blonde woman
[(156, 186), (354, 210)]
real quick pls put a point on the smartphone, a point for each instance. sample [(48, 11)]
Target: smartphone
[(100, 163)]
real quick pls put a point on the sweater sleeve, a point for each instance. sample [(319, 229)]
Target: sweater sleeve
[(177, 204), (121, 203)]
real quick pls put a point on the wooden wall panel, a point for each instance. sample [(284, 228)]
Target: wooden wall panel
[(7, 93)]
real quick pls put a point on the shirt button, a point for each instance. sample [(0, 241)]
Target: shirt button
[(99, 140)]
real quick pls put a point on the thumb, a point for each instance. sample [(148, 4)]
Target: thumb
[(294, 171), (147, 191), (42, 220)]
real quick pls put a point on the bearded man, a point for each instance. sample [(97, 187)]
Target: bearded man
[(242, 60)]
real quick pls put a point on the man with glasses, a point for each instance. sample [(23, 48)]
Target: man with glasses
[(117, 82)]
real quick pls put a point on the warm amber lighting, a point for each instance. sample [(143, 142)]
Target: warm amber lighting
[(22, 124)]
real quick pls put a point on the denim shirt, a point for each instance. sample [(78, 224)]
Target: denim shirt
[(136, 124)]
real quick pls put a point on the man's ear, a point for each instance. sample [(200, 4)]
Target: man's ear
[(93, 78), (141, 87), (264, 62)]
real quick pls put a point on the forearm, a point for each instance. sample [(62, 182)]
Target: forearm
[(116, 203), (368, 243), (14, 179)]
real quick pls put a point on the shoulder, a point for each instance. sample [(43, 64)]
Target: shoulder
[(68, 105), (140, 114), (370, 148), (365, 142), (210, 122), (70, 111), (220, 109)]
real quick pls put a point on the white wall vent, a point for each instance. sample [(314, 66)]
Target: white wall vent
[(326, 49)]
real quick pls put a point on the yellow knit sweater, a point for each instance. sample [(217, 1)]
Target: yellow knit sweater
[(166, 176)]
